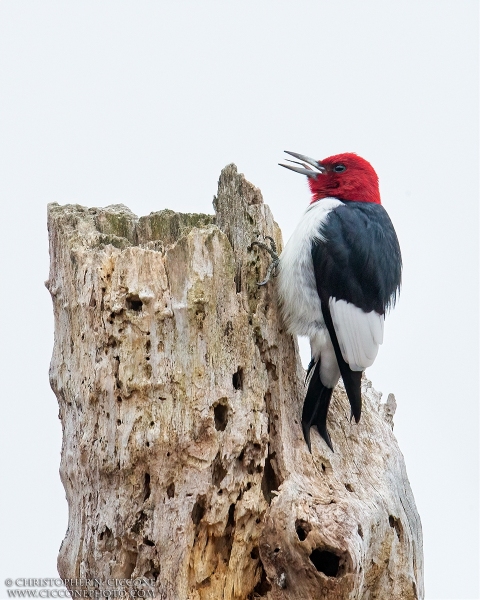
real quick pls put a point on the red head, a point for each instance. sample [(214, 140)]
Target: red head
[(343, 176)]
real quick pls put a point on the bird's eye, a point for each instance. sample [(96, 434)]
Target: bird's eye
[(339, 168)]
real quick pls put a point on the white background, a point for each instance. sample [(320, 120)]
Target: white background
[(144, 102)]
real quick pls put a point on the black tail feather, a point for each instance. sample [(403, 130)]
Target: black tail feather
[(353, 386), (351, 379), (315, 408), (321, 420)]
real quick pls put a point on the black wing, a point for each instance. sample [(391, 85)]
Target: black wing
[(357, 260), (360, 261)]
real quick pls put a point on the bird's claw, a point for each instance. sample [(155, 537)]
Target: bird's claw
[(272, 250), (273, 245), (272, 269)]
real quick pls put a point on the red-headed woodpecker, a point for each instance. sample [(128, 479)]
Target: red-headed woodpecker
[(338, 274)]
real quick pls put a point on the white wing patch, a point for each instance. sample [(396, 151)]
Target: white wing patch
[(359, 333)]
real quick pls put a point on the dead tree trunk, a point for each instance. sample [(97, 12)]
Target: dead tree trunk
[(180, 398)]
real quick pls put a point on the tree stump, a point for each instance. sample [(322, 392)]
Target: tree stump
[(180, 397)]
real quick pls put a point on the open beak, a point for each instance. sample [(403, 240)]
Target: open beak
[(306, 165)]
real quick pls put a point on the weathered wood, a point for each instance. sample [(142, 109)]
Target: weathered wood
[(180, 398)]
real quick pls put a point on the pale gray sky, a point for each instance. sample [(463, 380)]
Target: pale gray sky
[(144, 102)]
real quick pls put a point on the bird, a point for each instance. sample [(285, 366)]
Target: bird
[(337, 277)]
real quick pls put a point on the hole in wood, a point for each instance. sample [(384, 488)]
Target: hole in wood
[(349, 487), (148, 542), (238, 280), (326, 562), (218, 471), (108, 539), (231, 516), (270, 482), (263, 586), (271, 370), (395, 524), (220, 413), (146, 487), (152, 571), (139, 523), (134, 303), (237, 379), (107, 533), (171, 490), (302, 528), (198, 510), (205, 583)]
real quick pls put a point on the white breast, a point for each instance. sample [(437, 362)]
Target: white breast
[(296, 285)]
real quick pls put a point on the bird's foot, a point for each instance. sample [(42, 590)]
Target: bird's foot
[(272, 250)]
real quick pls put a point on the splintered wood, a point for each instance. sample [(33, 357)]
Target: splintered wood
[(180, 398)]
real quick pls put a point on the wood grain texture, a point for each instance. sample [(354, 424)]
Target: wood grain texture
[(180, 397)]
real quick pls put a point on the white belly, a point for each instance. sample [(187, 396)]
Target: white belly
[(296, 285)]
